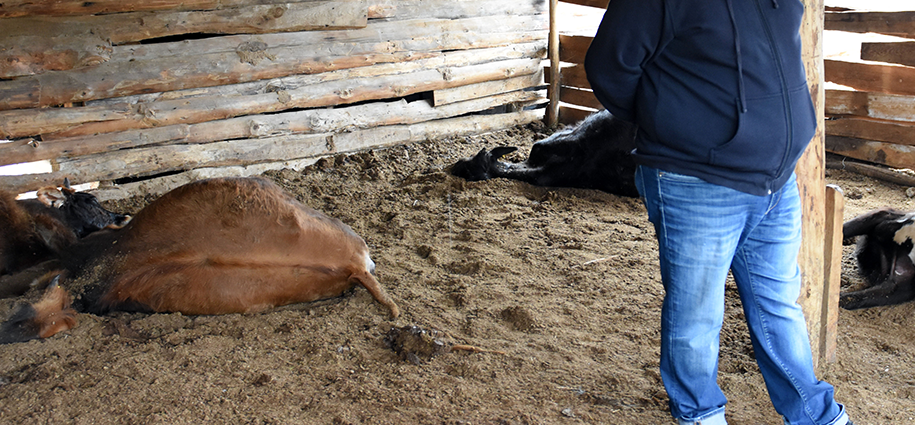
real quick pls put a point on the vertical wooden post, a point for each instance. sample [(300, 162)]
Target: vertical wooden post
[(552, 110), (835, 211), (812, 183)]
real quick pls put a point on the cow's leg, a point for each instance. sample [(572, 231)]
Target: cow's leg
[(899, 287), (47, 317)]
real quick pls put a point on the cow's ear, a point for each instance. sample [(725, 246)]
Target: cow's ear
[(51, 197), (501, 151)]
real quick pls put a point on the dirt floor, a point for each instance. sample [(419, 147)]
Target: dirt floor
[(561, 284)]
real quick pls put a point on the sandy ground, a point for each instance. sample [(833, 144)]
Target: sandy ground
[(563, 282)]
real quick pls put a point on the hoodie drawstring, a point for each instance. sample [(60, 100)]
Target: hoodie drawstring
[(740, 87), (775, 4)]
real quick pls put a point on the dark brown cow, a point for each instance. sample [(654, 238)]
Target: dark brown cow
[(594, 154), (37, 230), (217, 246), (884, 254)]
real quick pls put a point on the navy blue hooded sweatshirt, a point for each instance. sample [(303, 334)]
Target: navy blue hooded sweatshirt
[(716, 87)]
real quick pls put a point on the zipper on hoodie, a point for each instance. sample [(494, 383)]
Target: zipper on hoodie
[(781, 78)]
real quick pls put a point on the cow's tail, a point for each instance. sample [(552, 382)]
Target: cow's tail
[(371, 284)]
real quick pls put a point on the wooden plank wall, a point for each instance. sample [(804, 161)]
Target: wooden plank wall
[(576, 100), (875, 120), (110, 90)]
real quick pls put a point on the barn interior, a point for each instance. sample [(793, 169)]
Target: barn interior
[(357, 108)]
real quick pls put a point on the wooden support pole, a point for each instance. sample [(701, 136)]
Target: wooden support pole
[(552, 110), (832, 258), (811, 177)]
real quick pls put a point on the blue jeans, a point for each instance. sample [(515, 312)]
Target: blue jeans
[(703, 231)]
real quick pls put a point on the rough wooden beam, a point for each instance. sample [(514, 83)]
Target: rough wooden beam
[(253, 58), (33, 54), (452, 9), (875, 171), (158, 159), (835, 210), (334, 92), (811, 181), (159, 109), (871, 77), (902, 53), (307, 121), (870, 104), (889, 154), (900, 24), (552, 110), (869, 129), (14, 8), (486, 88)]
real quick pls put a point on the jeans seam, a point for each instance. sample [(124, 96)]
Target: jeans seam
[(765, 330)]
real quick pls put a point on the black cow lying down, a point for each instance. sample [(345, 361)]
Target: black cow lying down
[(596, 153), (884, 254)]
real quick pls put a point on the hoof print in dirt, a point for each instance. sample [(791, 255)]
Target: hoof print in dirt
[(418, 345)]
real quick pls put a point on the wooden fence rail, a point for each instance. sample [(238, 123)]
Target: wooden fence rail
[(874, 122), (108, 90)]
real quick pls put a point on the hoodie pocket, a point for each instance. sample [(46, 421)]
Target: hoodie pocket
[(768, 135)]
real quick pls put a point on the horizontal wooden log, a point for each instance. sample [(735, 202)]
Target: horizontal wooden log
[(153, 160), (869, 104), (31, 54), (900, 24), (307, 121), (452, 9), (262, 57), (378, 36), (572, 48), (45, 43), (579, 97), (329, 93), (875, 171), (602, 4), (475, 56), (14, 8), (902, 53), (143, 111), (889, 154), (487, 88), (892, 79), (869, 129), (378, 9)]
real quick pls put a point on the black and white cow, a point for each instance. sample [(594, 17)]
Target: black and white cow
[(885, 258), (596, 153)]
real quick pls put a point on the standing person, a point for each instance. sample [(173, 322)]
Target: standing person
[(719, 94)]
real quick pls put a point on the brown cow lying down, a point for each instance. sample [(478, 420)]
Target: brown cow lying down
[(596, 153), (216, 246), (884, 254)]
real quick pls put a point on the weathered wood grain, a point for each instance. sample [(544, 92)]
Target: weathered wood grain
[(902, 53), (159, 109), (900, 24), (159, 159), (260, 57), (307, 121), (892, 79), (889, 154), (870, 104), (864, 128)]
